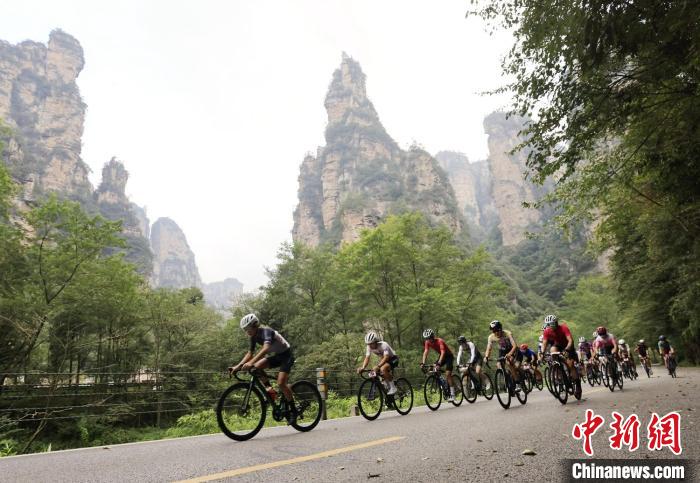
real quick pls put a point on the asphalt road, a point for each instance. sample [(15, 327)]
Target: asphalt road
[(478, 441)]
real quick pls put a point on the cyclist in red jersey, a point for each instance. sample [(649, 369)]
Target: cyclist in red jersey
[(559, 336), (445, 360)]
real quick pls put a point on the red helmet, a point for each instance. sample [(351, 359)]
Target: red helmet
[(601, 330), (523, 347)]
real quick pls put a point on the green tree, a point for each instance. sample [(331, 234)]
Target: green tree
[(612, 89)]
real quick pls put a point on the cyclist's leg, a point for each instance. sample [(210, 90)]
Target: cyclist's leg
[(284, 361)]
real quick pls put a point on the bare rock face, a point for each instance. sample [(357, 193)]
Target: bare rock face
[(40, 101), (113, 204), (173, 263), (361, 175), (510, 188), (221, 295), (473, 188)]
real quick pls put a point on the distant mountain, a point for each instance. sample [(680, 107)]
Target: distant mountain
[(361, 175)]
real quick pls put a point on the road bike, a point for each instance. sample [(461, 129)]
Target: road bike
[(592, 373), (530, 379), (506, 388), (372, 396), (472, 385), (647, 366), (242, 408), (609, 372), (560, 382), (436, 387), (671, 364), (628, 370)]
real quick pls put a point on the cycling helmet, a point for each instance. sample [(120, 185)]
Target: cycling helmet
[(601, 331), (428, 333), (461, 339), (622, 341), (495, 326), (662, 338), (581, 340), (523, 347), (641, 341), (551, 321), (371, 337), (250, 320), (540, 338)]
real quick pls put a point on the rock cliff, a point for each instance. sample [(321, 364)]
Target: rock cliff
[(41, 103), (112, 202), (361, 175), (173, 261), (221, 295)]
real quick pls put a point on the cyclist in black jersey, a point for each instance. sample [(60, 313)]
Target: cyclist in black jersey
[(275, 352)]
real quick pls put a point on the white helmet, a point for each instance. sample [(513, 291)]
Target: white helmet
[(582, 339), (622, 341), (428, 333), (371, 337), (641, 341), (249, 320)]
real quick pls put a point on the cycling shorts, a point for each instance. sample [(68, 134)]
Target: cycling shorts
[(283, 360), (447, 361)]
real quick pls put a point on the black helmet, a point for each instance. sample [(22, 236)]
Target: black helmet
[(662, 337), (461, 339), (495, 326)]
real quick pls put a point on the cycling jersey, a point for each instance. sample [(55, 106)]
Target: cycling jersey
[(624, 350), (266, 335), (438, 345), (504, 344), (557, 336), (383, 349), (664, 346), (604, 344), (642, 349), (585, 348), (528, 354), (475, 354)]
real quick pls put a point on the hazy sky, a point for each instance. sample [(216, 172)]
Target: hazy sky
[(211, 105)]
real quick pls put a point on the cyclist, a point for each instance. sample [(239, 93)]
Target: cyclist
[(525, 354), (626, 352), (388, 359), (446, 358), (559, 336), (275, 352), (585, 351), (605, 343), (665, 349), (475, 356), (506, 346), (642, 349)]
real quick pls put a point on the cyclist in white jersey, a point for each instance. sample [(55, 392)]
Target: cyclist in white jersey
[(388, 359)]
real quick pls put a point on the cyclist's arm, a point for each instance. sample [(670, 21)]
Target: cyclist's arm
[(364, 363), (384, 359), (512, 343), (245, 359), (472, 348), (459, 354), (261, 353), (425, 355), (545, 345), (569, 342), (488, 348)]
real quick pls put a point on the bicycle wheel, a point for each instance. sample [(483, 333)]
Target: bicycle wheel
[(486, 386), (578, 391), (620, 379), (459, 394), (539, 384), (432, 392), (501, 389), (469, 388), (590, 375), (559, 383), (403, 399), (548, 379), (307, 401), (521, 393), (241, 412), (527, 381), (370, 399)]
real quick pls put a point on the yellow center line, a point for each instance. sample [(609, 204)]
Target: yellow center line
[(300, 459)]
